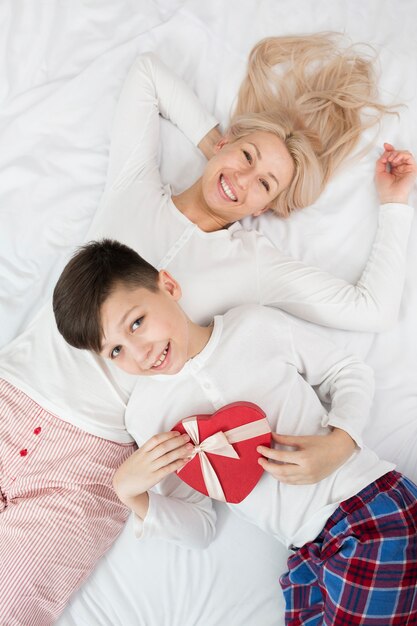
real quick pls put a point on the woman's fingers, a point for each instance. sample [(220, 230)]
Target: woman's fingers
[(395, 174), (400, 157), (393, 156)]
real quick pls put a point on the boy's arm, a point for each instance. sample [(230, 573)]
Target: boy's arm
[(177, 513), (339, 379), (315, 457)]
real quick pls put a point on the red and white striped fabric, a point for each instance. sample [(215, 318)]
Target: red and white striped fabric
[(58, 510)]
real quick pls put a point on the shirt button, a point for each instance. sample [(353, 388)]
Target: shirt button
[(37, 430), (206, 385), (23, 452)]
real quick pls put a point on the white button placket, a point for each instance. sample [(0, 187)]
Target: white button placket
[(176, 247), (210, 390)]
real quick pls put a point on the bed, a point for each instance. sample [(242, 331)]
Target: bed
[(62, 66)]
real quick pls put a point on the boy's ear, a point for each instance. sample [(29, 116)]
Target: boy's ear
[(167, 283)]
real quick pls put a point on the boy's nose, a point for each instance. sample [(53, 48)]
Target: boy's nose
[(141, 353)]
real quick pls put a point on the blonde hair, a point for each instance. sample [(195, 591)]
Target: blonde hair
[(316, 97)]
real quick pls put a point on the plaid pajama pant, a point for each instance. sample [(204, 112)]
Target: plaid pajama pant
[(362, 568), (58, 510)]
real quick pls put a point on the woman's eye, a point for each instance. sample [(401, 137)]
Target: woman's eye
[(248, 156), (115, 352), (137, 323), (265, 184)]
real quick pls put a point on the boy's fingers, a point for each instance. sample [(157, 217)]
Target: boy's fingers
[(161, 438), (181, 452), (166, 447), (283, 473), (282, 456), (171, 468), (288, 473), (288, 440)]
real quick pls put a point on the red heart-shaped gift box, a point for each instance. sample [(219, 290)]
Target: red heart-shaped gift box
[(237, 476)]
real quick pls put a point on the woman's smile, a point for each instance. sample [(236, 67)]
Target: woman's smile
[(227, 191)]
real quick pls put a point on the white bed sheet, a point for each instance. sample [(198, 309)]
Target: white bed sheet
[(62, 66)]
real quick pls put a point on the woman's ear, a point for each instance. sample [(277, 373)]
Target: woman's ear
[(264, 210), (225, 139), (219, 145), (167, 283)]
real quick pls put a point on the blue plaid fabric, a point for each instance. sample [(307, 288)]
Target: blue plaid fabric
[(362, 568)]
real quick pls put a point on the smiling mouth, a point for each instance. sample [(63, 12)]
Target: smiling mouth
[(226, 189), (161, 359)]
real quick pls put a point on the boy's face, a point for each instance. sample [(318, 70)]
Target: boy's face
[(146, 333)]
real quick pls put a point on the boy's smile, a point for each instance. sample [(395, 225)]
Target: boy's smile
[(146, 332)]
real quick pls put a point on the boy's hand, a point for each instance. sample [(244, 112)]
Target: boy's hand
[(315, 457), (395, 184), (161, 455)]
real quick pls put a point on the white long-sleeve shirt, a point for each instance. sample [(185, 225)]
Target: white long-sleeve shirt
[(217, 270), (257, 354)]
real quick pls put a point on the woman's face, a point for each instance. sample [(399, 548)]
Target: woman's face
[(246, 175)]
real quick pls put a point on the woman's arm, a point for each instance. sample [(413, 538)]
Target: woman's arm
[(151, 90), (373, 303)]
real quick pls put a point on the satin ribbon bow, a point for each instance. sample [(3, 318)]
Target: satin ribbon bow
[(220, 443)]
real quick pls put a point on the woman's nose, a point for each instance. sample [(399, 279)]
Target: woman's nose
[(242, 179)]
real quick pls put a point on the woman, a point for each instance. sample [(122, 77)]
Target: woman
[(60, 396)]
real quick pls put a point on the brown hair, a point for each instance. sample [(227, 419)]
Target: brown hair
[(316, 97), (87, 280)]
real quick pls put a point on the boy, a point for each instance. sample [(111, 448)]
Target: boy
[(353, 534)]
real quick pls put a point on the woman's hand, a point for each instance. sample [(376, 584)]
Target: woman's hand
[(315, 456), (161, 455), (209, 142), (395, 174)]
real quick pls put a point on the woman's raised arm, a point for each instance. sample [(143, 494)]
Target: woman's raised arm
[(151, 90), (373, 303)]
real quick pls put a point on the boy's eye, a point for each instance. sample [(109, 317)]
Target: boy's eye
[(248, 156), (136, 323), (265, 184), (115, 352)]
